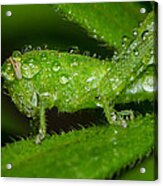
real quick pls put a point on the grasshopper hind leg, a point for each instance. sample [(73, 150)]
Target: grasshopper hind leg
[(119, 118)]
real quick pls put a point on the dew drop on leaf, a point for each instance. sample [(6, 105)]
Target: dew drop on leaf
[(136, 53), (9, 166), (144, 35), (152, 52), (124, 41), (135, 32)]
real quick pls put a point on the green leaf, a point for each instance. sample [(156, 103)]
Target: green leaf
[(150, 170), (96, 152), (105, 21)]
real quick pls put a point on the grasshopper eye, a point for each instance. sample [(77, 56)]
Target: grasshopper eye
[(17, 67)]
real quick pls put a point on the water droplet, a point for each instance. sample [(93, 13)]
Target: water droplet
[(136, 53), (102, 37), (124, 56), (9, 66), (86, 53), (8, 13), (43, 54), (94, 55), (108, 69), (142, 10), (9, 75), (38, 48), (140, 23), (55, 96), (94, 30), (124, 41), (124, 124), (99, 56), (85, 20), (135, 32), (133, 90), (29, 70), (56, 68), (144, 35), (74, 64), (45, 94), (16, 53), (26, 48), (95, 36), (74, 50), (152, 52), (87, 89), (131, 78), (75, 74), (45, 46), (117, 93), (64, 80), (99, 104), (115, 132), (9, 166), (113, 116), (67, 100), (52, 53), (90, 79), (124, 38), (31, 60), (148, 84), (142, 170), (115, 56)]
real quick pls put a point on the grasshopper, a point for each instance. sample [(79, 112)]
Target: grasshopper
[(40, 80)]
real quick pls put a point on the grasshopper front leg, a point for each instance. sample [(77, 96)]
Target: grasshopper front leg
[(42, 128)]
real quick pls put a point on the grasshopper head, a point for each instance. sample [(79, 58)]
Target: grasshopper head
[(20, 89)]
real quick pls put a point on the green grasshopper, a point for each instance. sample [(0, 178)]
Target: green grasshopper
[(40, 80)]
